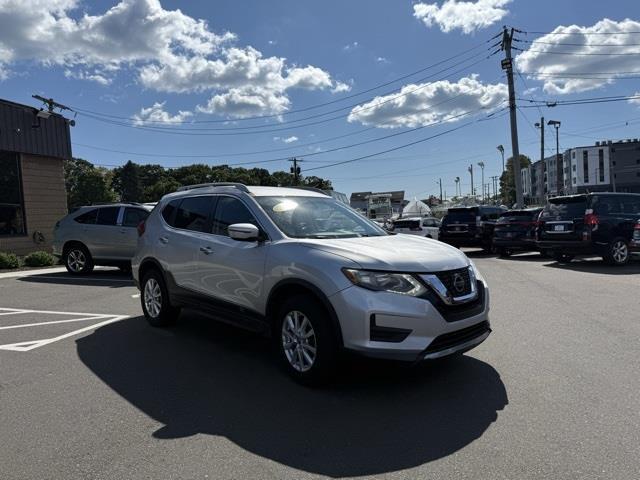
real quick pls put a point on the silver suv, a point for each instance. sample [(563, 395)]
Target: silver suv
[(309, 271), (99, 235)]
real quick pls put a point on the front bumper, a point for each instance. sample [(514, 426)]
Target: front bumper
[(414, 325)]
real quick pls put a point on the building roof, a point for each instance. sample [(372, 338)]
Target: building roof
[(22, 131), (396, 196)]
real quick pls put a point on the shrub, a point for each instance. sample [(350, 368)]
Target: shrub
[(39, 259), (9, 260)]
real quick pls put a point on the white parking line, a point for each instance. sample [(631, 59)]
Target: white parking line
[(31, 344)]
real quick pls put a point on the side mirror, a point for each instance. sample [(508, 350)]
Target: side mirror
[(245, 232)]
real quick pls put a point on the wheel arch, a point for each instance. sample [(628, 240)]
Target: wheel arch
[(290, 287), (70, 243)]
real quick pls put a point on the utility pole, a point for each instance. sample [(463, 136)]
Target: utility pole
[(495, 186), (507, 64), (481, 165), (51, 103), (295, 170), (440, 182), (473, 192)]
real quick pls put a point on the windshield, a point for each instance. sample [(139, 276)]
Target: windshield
[(317, 217)]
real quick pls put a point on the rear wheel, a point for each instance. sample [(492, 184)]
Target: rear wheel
[(504, 252), (617, 252), (306, 343), (155, 301), (77, 259)]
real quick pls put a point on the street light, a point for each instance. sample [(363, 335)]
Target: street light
[(473, 191), (556, 125), (457, 180), (481, 165), (501, 150)]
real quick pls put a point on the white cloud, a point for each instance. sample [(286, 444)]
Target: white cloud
[(543, 62), (350, 46), (382, 60), (341, 87), (167, 50), (635, 101), (156, 114), (426, 103), (290, 139), (466, 16), (95, 76)]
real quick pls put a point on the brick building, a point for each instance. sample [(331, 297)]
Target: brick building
[(33, 146)]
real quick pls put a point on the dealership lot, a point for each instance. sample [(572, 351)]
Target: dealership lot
[(88, 390)]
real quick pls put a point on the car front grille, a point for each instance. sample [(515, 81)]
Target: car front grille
[(459, 337), (450, 279)]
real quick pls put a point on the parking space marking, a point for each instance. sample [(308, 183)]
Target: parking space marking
[(83, 319), (26, 346)]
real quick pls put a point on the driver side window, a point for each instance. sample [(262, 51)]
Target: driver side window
[(229, 211)]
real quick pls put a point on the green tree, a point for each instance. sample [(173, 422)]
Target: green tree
[(126, 182), (155, 192), (86, 184), (317, 182), (507, 183), (193, 174)]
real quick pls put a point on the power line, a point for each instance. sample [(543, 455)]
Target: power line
[(579, 54), (305, 109), (533, 32), (583, 101), (343, 162)]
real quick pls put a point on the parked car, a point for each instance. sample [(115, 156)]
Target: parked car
[(310, 272), (423, 226), (515, 230), (470, 226), (635, 240), (99, 235), (590, 224)]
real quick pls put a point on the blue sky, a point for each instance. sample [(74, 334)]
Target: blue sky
[(144, 61)]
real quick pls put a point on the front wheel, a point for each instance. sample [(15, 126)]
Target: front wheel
[(306, 343), (617, 252), (155, 301)]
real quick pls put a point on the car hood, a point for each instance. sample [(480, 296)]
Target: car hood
[(400, 253)]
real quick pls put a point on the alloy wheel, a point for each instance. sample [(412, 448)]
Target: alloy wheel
[(152, 297), (299, 341), (76, 260), (619, 251)]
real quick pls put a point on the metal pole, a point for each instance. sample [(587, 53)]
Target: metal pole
[(507, 64)]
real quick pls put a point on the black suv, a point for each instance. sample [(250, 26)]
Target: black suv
[(595, 223), (470, 226), (516, 230)]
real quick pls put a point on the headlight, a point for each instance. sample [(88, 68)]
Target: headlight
[(475, 271), (401, 283)]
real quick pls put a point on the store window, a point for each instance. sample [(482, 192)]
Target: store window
[(11, 203)]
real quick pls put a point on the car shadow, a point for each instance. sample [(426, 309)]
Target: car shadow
[(527, 257), (598, 266), (113, 278), (205, 377)]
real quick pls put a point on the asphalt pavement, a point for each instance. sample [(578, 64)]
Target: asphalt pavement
[(88, 390)]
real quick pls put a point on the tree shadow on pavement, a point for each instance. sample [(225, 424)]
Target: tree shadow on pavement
[(205, 377)]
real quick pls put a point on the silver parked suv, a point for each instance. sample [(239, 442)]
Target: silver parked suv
[(99, 235), (311, 272)]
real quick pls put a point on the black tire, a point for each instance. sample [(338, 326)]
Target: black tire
[(489, 247), (545, 254), (504, 252), (324, 342), (166, 314), (562, 257), (617, 253), (77, 259)]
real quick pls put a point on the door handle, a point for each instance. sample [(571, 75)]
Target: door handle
[(164, 240), (206, 250)]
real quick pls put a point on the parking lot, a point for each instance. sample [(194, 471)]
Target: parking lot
[(88, 390)]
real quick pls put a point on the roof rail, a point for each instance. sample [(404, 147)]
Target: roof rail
[(311, 189), (239, 186), (95, 204)]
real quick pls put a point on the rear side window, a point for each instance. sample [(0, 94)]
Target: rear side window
[(565, 208), (193, 213), (108, 215), (518, 216), (630, 205), (169, 211), (133, 216), (88, 217), (229, 211)]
